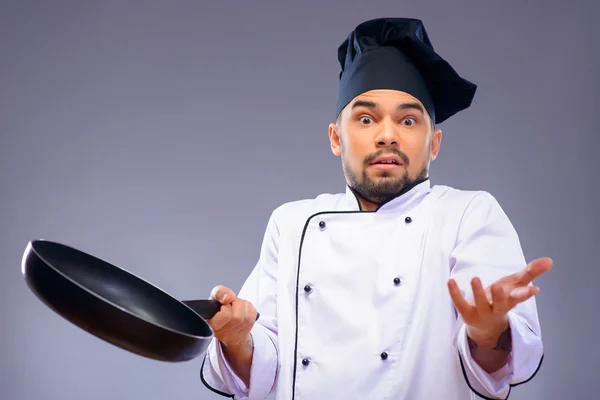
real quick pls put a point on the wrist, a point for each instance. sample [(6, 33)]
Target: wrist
[(489, 335), (238, 346), (239, 355)]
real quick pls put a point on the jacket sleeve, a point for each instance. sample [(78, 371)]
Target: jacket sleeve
[(488, 246), (259, 289)]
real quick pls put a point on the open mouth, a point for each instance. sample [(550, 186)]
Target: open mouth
[(385, 166), (387, 162)]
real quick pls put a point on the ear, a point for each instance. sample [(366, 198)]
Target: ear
[(436, 141), (334, 139)]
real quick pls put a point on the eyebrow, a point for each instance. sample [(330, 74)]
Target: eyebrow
[(402, 106)]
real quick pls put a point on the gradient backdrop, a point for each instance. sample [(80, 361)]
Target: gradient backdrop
[(159, 135)]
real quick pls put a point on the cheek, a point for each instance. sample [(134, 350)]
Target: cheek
[(418, 153), (353, 152), (351, 159)]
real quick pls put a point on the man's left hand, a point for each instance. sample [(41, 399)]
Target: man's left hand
[(486, 316)]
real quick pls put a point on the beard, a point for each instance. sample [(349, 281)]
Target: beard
[(385, 187)]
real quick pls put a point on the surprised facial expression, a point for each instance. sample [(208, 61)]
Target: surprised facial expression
[(386, 141)]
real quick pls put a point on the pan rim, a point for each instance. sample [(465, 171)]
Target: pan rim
[(31, 248)]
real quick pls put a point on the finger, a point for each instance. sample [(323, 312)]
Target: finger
[(464, 308), (499, 298), (251, 313), (248, 313), (238, 312), (221, 318), (520, 294), (238, 322), (241, 325), (223, 294), (482, 302), (236, 318), (534, 269)]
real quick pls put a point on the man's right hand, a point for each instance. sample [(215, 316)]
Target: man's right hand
[(232, 324)]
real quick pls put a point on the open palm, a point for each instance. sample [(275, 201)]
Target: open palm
[(490, 306)]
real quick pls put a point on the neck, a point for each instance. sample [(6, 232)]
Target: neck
[(366, 205)]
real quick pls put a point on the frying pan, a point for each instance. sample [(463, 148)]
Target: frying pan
[(116, 305)]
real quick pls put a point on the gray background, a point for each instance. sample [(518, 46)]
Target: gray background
[(160, 135)]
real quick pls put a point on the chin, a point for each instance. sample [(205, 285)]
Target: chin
[(387, 175)]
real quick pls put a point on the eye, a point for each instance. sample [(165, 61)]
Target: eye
[(365, 120), (409, 121)]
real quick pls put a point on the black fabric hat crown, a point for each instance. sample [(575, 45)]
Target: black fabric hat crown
[(396, 53)]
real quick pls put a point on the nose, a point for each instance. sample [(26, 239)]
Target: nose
[(387, 137)]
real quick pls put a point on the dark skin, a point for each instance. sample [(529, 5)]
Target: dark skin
[(394, 124)]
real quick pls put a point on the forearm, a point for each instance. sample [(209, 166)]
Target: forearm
[(239, 358), (246, 371), (490, 351)]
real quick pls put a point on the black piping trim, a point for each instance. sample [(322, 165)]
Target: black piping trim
[(360, 210), (212, 389), (462, 366), (298, 283)]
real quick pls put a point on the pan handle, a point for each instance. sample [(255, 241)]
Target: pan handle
[(206, 308)]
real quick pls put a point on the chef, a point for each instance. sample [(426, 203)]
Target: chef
[(396, 288)]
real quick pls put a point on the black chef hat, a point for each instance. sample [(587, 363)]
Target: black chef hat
[(395, 53)]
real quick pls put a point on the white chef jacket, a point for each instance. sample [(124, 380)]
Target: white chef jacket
[(354, 304)]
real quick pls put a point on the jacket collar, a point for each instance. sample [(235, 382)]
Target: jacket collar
[(401, 203)]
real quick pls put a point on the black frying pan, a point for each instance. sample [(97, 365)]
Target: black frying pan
[(115, 305)]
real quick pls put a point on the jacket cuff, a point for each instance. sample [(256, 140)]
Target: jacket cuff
[(218, 376), (523, 363)]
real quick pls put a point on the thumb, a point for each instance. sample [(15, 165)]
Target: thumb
[(223, 295)]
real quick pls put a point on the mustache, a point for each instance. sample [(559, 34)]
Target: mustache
[(380, 153)]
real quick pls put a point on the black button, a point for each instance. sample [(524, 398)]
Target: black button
[(322, 224), (396, 281), (384, 356), (307, 288), (408, 220), (305, 361)]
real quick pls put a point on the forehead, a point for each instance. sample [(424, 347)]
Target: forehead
[(386, 101), (386, 98)]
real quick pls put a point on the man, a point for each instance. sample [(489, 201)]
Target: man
[(395, 289)]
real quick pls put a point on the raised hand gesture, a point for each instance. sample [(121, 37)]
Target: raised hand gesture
[(486, 316)]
